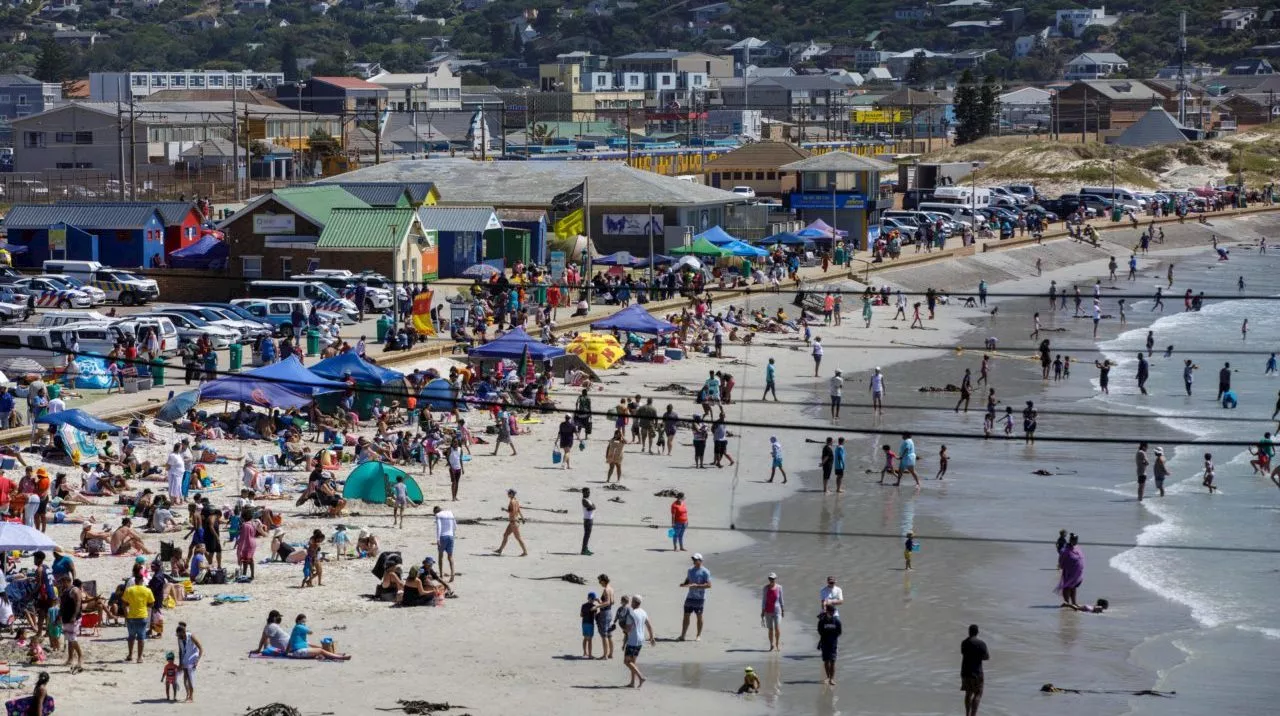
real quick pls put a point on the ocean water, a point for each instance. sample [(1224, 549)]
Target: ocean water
[(1191, 577)]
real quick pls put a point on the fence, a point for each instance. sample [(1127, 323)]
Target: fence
[(56, 185)]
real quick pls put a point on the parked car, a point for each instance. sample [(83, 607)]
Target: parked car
[(744, 191), (118, 284), (279, 311), (247, 331), (97, 295), (191, 328), (166, 332), (49, 293)]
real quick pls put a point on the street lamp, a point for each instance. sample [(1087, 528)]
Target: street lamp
[(396, 275), (1114, 203), (973, 201)]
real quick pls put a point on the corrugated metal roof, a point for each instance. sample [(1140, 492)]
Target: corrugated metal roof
[(365, 228), (1157, 126), (533, 184), (172, 213), (838, 161), (317, 201), (456, 218), (86, 216), (348, 83), (770, 155), (388, 194)]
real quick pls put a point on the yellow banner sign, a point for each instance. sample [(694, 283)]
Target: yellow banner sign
[(879, 116)]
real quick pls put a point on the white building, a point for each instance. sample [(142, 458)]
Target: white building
[(1238, 18), (112, 86), (421, 91), (1072, 22), (1095, 66), (1026, 44)]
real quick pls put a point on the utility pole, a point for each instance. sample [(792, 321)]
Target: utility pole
[(377, 134), (235, 145), (1182, 77), (133, 151), (120, 138)]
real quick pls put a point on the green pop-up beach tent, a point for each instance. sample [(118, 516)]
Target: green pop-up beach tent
[(374, 482)]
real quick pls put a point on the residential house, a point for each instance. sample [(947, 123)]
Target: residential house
[(440, 89), (1247, 109), (1072, 22), (803, 98), (1026, 44), (1025, 107), (83, 38), (120, 86), (1198, 109), (912, 12), (976, 27), (253, 5), (1236, 19), (806, 51), (842, 189), (1095, 65), (390, 241), (708, 13), (1254, 66), (276, 233), (1192, 72), (866, 58), (121, 235), (753, 48), (21, 96), (756, 165), (670, 79), (965, 59), (1102, 106)]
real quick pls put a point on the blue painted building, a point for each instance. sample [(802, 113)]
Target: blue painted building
[(461, 231), (120, 235), (535, 222)]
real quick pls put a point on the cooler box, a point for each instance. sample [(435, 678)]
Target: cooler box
[(674, 353)]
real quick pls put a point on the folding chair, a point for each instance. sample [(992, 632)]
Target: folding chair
[(89, 624)]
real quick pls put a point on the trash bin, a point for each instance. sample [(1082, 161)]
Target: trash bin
[(313, 341), (384, 327), (236, 357), (1115, 213), (157, 372)]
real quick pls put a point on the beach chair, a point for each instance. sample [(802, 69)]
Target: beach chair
[(89, 625)]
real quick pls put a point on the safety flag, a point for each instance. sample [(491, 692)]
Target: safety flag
[(422, 322), (570, 199)]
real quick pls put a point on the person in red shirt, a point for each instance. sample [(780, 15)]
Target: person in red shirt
[(679, 522), (7, 487)]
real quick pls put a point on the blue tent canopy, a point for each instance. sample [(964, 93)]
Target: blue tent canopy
[(618, 258), (741, 248), (291, 375), (634, 318), (207, 253), (716, 235), (439, 395), (78, 419), (239, 389), (787, 238), (658, 260), (360, 369), (512, 345)]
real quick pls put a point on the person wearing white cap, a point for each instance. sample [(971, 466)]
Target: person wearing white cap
[(771, 611), (877, 391), (837, 394), (698, 581)]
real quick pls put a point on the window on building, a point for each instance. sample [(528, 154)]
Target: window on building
[(64, 137), (178, 81), (84, 165), (286, 266), (4, 99), (33, 140), (197, 80), (123, 235), (84, 137), (63, 165), (138, 80), (251, 266), (770, 175), (22, 100), (216, 81), (158, 81), (759, 176)]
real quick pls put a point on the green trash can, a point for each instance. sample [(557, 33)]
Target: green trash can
[(236, 357), (157, 372), (384, 327), (1115, 213), (313, 341)]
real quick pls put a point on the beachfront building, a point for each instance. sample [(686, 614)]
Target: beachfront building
[(756, 165), (129, 235), (120, 86), (842, 189)]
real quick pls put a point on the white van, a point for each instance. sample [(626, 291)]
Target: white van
[(46, 346), (164, 329), (119, 285), (50, 319), (317, 294), (968, 196)]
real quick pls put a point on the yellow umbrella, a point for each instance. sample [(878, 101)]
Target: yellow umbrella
[(598, 350)]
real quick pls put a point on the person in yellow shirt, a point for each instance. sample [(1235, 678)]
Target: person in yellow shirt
[(138, 600)]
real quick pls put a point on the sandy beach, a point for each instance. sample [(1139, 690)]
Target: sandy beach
[(511, 639)]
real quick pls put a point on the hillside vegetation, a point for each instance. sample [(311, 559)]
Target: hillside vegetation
[(1065, 165)]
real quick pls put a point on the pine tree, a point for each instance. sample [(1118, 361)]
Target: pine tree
[(967, 108), (918, 70), (53, 64), (988, 105), (289, 61)]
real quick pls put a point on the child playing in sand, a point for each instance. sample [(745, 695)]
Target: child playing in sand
[(942, 461), (750, 682), (400, 493), (588, 613), (341, 541), (1208, 473), (311, 569), (170, 677), (888, 468)]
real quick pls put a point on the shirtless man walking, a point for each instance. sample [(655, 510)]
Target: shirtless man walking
[(514, 518)]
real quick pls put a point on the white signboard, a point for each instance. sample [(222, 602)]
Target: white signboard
[(633, 224), (273, 224), (557, 265)]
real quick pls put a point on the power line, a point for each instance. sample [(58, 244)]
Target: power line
[(828, 429)]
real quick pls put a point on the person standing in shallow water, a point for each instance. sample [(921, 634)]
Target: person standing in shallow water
[(973, 651)]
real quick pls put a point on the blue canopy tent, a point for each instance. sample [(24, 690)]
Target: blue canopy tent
[(657, 260), (635, 319), (78, 419), (238, 389), (293, 376), (512, 346), (741, 248), (618, 258), (787, 238), (207, 253), (439, 395), (716, 235), (373, 382)]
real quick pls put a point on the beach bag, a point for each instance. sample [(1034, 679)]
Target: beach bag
[(386, 560), (217, 576), (166, 551), (556, 456)]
